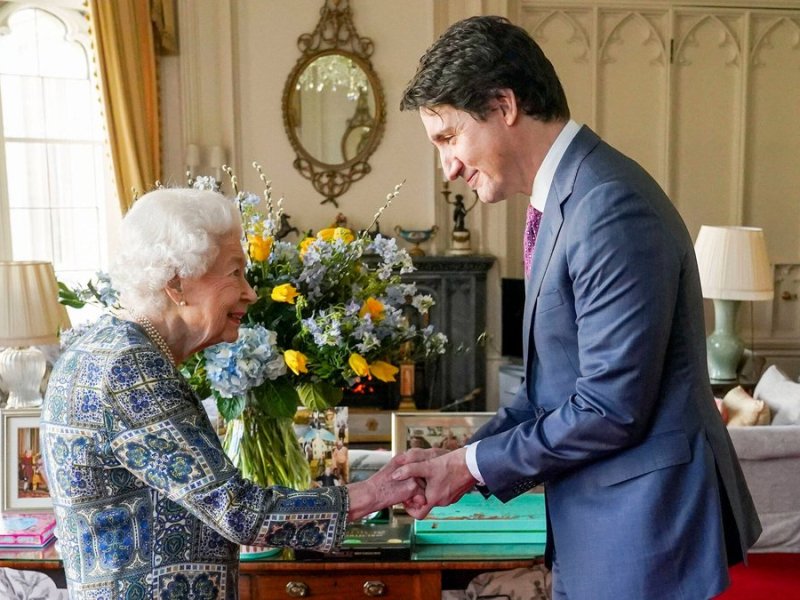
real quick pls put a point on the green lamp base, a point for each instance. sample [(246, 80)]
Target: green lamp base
[(724, 347)]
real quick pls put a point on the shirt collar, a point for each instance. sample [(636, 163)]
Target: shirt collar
[(544, 177)]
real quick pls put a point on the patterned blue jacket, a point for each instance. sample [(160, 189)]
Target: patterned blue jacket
[(146, 501)]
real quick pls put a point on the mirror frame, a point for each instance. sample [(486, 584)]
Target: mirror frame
[(335, 33)]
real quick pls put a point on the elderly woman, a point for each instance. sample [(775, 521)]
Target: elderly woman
[(147, 503)]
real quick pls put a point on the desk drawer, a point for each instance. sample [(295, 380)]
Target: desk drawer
[(338, 585)]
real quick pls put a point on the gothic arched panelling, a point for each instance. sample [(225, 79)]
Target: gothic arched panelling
[(706, 126), (564, 35), (632, 85), (772, 191)]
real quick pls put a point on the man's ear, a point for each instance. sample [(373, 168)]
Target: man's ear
[(506, 103)]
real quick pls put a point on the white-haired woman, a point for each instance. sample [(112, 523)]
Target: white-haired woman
[(147, 503)]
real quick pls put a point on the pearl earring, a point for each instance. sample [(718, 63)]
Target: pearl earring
[(182, 303)]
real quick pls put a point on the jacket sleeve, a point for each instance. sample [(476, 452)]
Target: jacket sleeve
[(160, 433)]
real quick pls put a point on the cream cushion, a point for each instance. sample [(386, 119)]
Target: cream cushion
[(744, 410), (781, 394)]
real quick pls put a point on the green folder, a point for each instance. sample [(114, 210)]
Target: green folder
[(478, 520)]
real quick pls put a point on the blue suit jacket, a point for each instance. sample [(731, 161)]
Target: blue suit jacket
[(645, 495)]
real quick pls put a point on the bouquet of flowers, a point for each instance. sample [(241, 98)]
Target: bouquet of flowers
[(329, 314)]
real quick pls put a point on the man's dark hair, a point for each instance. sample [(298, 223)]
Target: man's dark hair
[(477, 57)]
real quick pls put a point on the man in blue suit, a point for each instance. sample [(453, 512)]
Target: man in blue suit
[(645, 497)]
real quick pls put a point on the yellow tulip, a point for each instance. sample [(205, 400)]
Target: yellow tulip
[(259, 247), (359, 365), (305, 244), (344, 234), (285, 292), (326, 234), (336, 233), (372, 307), (383, 370), (296, 361)]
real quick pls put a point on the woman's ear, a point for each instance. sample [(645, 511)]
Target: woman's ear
[(506, 103), (174, 290)]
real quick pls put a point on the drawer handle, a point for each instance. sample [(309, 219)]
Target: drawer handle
[(297, 589), (374, 588)]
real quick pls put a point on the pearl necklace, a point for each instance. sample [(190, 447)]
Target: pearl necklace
[(153, 334)]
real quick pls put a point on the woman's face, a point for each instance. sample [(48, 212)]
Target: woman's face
[(217, 301)]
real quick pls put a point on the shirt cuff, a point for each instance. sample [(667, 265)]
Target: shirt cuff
[(472, 461)]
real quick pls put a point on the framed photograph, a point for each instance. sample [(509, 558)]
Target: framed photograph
[(423, 429), (24, 482)]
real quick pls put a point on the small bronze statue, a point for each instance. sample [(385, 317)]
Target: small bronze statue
[(459, 240)]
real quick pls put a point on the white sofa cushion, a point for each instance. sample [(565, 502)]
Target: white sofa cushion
[(781, 394)]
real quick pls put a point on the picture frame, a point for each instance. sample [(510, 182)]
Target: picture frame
[(23, 481), (426, 429)]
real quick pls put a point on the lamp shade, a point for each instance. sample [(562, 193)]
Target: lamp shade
[(30, 314), (733, 263)]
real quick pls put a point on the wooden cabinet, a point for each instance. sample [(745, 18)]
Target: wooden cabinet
[(432, 569), (457, 284), (336, 581), (407, 580)]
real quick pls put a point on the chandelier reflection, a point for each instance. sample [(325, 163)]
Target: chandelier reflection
[(334, 72)]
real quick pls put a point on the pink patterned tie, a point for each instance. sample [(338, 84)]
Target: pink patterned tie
[(532, 221)]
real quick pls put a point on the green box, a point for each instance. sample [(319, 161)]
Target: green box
[(478, 520)]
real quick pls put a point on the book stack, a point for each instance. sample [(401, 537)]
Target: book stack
[(26, 529), (478, 520)]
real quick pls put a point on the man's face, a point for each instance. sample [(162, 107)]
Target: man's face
[(480, 152)]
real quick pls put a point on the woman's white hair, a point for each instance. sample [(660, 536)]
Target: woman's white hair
[(169, 232)]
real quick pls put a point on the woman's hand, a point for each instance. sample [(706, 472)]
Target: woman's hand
[(382, 490)]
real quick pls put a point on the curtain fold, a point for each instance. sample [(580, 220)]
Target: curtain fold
[(125, 51)]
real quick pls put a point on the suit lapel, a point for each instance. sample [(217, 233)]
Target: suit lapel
[(550, 227)]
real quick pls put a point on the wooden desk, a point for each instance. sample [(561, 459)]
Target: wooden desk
[(430, 570)]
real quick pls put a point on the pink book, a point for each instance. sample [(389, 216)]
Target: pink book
[(32, 530)]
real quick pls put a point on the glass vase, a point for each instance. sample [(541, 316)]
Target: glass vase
[(266, 450)]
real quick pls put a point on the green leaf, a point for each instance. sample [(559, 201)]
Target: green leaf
[(276, 399), (319, 395), (68, 297), (231, 408)]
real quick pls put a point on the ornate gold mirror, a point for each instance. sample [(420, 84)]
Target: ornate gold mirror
[(334, 110)]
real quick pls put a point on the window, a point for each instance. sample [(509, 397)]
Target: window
[(56, 194)]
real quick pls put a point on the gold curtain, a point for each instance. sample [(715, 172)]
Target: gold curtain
[(125, 49)]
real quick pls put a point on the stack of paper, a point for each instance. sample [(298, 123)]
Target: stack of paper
[(478, 520)]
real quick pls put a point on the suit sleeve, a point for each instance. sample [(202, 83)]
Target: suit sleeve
[(623, 268)]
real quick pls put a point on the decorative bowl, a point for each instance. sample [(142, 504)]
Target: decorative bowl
[(416, 237)]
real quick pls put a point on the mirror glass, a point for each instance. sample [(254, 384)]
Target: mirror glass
[(334, 111), (333, 103)]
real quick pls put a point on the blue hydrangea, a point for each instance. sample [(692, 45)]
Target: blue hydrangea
[(233, 369)]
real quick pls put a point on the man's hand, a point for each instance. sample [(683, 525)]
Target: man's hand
[(445, 475), (382, 490)]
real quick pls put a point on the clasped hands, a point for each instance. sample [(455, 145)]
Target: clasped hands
[(419, 479)]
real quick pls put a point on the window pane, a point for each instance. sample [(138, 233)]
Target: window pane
[(76, 238), (56, 157), (18, 46), (23, 111), (26, 173), (58, 57), (70, 107), (31, 234), (72, 175)]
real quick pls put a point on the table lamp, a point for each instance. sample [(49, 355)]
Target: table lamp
[(30, 315), (734, 266)]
